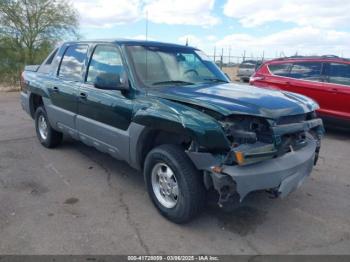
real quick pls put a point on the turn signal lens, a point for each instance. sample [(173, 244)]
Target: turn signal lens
[(239, 157)]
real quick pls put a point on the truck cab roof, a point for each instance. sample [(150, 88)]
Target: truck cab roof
[(125, 41)]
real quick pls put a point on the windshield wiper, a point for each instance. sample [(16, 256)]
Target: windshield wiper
[(215, 80), (178, 82)]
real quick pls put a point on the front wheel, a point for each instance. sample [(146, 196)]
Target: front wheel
[(47, 136), (173, 183)]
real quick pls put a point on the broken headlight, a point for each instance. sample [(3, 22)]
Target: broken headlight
[(251, 139)]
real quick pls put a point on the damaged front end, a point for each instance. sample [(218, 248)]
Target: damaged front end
[(265, 154)]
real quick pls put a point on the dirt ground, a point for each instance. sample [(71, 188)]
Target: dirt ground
[(75, 200), (8, 88), (232, 72)]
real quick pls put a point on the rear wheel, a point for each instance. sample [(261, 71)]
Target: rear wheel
[(173, 183), (47, 136)]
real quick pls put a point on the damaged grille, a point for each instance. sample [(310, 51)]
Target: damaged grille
[(291, 142), (284, 120), (256, 139), (247, 130)]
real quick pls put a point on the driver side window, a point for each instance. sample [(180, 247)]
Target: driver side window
[(106, 59)]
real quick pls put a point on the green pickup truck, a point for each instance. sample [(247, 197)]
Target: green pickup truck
[(168, 110)]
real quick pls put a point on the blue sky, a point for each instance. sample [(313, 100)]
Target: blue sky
[(271, 27)]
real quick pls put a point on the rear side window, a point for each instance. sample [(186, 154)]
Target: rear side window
[(105, 60), (72, 62), (306, 70), (50, 59), (280, 69), (338, 73), (45, 67)]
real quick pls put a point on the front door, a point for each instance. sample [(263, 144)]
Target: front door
[(278, 76), (105, 115), (306, 78)]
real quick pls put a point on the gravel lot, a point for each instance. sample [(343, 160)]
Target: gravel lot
[(75, 200)]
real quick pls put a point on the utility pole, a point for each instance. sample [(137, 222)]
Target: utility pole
[(222, 57), (214, 54), (229, 54)]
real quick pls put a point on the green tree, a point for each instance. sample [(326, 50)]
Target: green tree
[(33, 25), (11, 60)]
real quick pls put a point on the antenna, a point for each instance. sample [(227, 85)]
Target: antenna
[(146, 53), (146, 25), (229, 54)]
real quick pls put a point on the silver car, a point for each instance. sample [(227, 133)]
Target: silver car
[(246, 69)]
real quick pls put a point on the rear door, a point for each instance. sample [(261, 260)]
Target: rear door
[(64, 88), (338, 82)]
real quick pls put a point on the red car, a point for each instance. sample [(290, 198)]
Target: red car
[(326, 79)]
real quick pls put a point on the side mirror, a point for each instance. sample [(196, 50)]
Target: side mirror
[(112, 81)]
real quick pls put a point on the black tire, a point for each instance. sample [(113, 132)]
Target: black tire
[(192, 194), (53, 138)]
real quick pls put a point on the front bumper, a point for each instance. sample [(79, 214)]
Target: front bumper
[(283, 174)]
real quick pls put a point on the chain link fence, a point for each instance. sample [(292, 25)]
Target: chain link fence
[(230, 64)]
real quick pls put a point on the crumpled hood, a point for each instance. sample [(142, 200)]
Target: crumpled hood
[(233, 98)]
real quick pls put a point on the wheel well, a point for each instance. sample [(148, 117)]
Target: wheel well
[(34, 102), (153, 138)]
